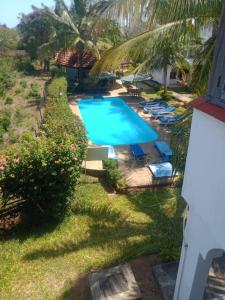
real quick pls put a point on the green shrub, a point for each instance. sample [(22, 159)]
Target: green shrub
[(56, 72), (5, 119), (43, 171), (58, 88), (7, 74), (35, 91), (165, 95), (8, 101), (112, 172), (13, 136), (33, 94), (1, 133), (23, 83), (18, 91), (121, 184), (35, 86), (24, 64), (19, 116), (44, 174)]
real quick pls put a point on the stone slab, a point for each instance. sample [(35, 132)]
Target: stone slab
[(116, 283)]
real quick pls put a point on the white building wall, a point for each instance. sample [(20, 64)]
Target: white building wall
[(204, 182), (157, 75), (204, 191)]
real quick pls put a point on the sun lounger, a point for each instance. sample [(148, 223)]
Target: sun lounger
[(164, 150), (150, 102), (162, 112), (160, 170), (158, 106), (137, 151), (170, 120)]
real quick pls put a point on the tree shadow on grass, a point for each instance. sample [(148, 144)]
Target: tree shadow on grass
[(24, 231), (131, 236), (78, 289), (164, 232)]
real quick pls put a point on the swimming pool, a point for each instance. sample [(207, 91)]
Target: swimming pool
[(110, 121)]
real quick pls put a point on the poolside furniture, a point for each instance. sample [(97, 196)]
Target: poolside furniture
[(158, 106), (111, 152), (169, 120), (137, 152), (160, 170), (142, 104), (134, 78), (134, 91), (162, 112), (164, 150)]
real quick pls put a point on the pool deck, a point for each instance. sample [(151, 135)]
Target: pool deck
[(136, 175)]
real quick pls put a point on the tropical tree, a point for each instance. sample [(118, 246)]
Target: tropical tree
[(180, 21), (78, 28), (36, 29)]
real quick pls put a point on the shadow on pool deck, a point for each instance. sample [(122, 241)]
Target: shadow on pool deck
[(135, 174)]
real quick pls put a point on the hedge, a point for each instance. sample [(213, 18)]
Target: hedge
[(43, 172)]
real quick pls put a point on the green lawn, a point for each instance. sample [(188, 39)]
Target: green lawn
[(180, 108), (102, 231)]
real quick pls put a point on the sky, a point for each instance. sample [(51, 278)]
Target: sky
[(10, 9)]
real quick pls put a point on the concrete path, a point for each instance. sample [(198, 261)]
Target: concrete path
[(185, 98)]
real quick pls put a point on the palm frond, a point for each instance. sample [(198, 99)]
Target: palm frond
[(124, 12), (63, 18), (202, 66), (183, 9), (144, 45)]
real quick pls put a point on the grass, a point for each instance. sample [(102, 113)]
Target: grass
[(180, 108), (102, 231)]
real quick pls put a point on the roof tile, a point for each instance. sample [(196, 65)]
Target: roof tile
[(71, 59), (209, 108)]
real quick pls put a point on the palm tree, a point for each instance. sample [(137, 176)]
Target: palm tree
[(74, 28), (150, 50), (179, 21)]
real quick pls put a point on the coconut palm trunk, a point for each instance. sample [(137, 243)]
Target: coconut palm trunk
[(165, 83)]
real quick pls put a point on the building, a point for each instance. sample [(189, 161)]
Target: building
[(204, 184), (78, 65), (158, 76)]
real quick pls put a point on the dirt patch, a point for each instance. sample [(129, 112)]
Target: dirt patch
[(142, 269)]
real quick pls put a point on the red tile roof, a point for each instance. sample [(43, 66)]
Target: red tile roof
[(209, 108), (71, 59)]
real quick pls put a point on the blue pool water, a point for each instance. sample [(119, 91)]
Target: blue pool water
[(110, 121)]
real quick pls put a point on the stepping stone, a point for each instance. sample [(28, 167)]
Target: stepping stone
[(116, 283)]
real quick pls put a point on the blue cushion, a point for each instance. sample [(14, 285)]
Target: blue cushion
[(165, 150), (164, 169), (165, 111), (137, 151)]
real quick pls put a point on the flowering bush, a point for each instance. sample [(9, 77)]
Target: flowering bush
[(43, 171)]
